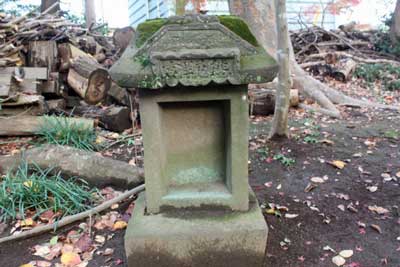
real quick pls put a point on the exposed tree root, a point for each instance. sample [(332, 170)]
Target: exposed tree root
[(323, 111), (327, 97)]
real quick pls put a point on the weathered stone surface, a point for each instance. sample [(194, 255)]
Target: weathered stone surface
[(196, 239), (195, 144), (193, 50)]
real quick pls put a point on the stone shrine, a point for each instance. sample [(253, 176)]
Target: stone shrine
[(192, 73)]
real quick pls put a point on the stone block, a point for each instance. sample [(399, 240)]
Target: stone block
[(196, 238)]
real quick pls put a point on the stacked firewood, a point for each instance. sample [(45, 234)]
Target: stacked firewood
[(48, 64), (336, 53)]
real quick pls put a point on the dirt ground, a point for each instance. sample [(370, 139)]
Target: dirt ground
[(369, 145), (367, 142)]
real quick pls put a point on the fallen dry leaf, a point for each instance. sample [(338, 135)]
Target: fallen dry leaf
[(27, 222), (70, 259), (291, 216), (84, 243), (337, 163), (346, 253), (43, 264), (119, 225), (46, 216), (27, 265), (328, 248), (338, 260), (378, 210), (310, 187), (327, 142), (386, 177), (100, 239), (317, 180), (341, 207), (108, 252), (376, 228), (372, 188)]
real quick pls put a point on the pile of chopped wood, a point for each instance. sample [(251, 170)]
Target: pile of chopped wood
[(48, 64), (335, 53)]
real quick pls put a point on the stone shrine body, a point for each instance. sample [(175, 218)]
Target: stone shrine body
[(192, 74)]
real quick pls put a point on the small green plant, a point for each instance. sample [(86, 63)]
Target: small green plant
[(310, 139), (60, 131), (286, 161), (392, 134), (263, 152), (36, 190), (312, 136), (143, 60), (386, 73)]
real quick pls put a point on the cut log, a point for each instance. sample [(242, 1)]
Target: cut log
[(89, 80), (49, 87), (30, 125), (68, 53), (56, 105), (71, 162), (118, 95), (262, 101), (43, 54), (122, 38), (344, 70), (113, 118)]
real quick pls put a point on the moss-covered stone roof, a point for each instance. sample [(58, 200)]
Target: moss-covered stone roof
[(193, 50)]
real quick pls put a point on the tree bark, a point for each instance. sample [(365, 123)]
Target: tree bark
[(45, 4), (395, 27), (90, 13), (279, 127)]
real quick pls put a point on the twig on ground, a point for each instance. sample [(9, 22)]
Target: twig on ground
[(71, 219)]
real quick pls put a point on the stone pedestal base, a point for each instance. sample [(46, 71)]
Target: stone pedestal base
[(196, 238)]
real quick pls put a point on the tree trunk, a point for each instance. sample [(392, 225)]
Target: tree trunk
[(395, 28), (280, 123), (180, 7), (48, 3), (90, 13)]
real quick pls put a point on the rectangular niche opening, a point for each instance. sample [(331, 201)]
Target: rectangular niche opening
[(195, 147)]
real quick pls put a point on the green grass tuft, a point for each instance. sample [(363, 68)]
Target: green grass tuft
[(36, 190), (60, 131)]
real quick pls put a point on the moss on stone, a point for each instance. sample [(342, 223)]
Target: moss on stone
[(146, 29), (239, 27)]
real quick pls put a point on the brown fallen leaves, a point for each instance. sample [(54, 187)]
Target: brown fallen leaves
[(337, 163), (77, 247)]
